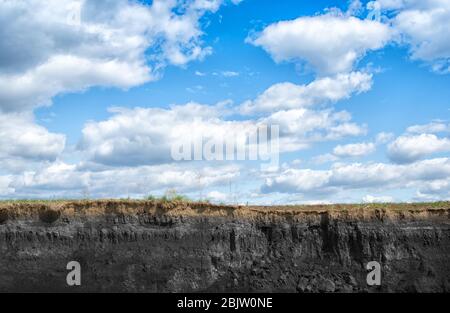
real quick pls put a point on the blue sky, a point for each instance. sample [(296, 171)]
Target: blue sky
[(362, 104)]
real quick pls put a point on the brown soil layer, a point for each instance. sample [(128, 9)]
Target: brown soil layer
[(155, 246)]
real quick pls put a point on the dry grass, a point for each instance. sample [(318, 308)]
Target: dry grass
[(23, 208)]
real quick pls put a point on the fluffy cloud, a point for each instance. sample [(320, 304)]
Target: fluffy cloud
[(330, 43), (52, 47), (22, 139), (144, 136), (5, 189), (70, 180), (431, 128), (218, 196), (383, 137), (354, 150), (434, 190), (64, 73), (377, 199), (410, 148), (423, 25), (284, 96), (333, 42), (49, 47), (357, 176), (299, 128), (324, 158)]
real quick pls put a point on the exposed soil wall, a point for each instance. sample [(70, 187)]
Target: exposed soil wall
[(139, 246)]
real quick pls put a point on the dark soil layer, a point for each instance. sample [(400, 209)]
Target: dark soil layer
[(148, 246)]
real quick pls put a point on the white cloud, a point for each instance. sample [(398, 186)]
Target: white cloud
[(424, 26), (355, 7), (334, 42), (283, 96), (144, 136), (389, 4), (126, 43), (357, 176), (299, 128), (346, 129), (377, 199), (217, 196), (330, 43), (435, 190), (5, 188), (383, 137), (230, 74), (297, 180), (64, 73), (354, 150), (55, 177), (195, 89), (410, 148), (324, 158), (198, 73), (70, 180), (431, 128), (22, 139), (50, 47)]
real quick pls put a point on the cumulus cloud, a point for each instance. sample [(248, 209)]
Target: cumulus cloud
[(410, 148), (424, 26), (357, 176), (144, 136), (324, 90), (354, 150), (65, 73), (334, 42), (217, 196), (434, 190), (22, 139), (330, 43), (74, 180), (53, 47), (5, 188), (430, 128), (383, 137), (299, 128), (377, 199), (296, 181), (198, 73), (50, 47), (324, 158)]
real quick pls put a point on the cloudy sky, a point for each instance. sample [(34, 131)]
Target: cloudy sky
[(94, 93)]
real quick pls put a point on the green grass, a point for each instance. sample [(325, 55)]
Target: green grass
[(169, 196)]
